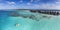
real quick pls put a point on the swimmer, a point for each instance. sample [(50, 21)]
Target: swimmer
[(17, 25), (49, 17)]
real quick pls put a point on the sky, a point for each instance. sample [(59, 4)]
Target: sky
[(29, 4)]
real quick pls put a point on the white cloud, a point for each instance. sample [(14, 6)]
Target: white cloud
[(58, 0), (11, 3), (37, 0), (0, 0), (21, 0), (3, 6), (28, 3), (34, 0), (31, 0), (50, 6)]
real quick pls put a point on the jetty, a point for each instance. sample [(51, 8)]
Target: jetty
[(50, 12)]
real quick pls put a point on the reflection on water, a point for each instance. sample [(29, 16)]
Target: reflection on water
[(25, 20)]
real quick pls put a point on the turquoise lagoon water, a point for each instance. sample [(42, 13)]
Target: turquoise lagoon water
[(37, 21)]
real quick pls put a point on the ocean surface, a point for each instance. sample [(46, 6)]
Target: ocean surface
[(28, 21)]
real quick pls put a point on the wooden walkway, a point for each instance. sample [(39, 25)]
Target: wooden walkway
[(50, 12)]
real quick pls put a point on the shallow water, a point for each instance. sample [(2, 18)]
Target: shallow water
[(28, 21)]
